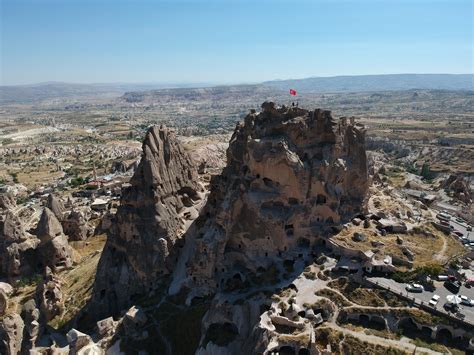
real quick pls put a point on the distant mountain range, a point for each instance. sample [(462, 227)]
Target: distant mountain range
[(392, 82), (377, 83)]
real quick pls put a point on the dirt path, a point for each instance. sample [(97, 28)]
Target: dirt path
[(400, 344), (440, 256)]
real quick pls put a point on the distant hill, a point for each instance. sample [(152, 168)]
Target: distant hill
[(377, 83), (216, 93), (143, 92), (55, 90)]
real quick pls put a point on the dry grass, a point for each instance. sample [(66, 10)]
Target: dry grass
[(333, 296), (357, 294), (427, 249), (78, 281)]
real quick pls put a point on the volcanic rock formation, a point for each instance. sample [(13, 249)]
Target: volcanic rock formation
[(54, 250), (56, 206), (291, 175), (17, 248), (143, 242)]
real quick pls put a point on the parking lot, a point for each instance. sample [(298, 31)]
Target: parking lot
[(425, 296)]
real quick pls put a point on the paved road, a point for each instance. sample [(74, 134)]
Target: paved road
[(426, 295), (462, 227)]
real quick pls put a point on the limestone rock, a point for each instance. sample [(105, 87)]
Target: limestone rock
[(11, 334), (143, 242)]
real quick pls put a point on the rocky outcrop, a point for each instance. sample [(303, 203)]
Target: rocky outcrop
[(56, 206), (11, 334), (53, 249), (82, 344), (76, 227), (7, 202), (32, 331), (49, 295), (291, 175), (17, 248), (458, 187), (143, 242)]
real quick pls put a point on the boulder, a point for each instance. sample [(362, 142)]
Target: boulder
[(359, 237), (82, 344)]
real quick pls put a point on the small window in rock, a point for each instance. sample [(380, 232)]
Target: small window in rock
[(293, 201), (320, 199)]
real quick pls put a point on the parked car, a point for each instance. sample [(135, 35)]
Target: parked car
[(458, 233), (451, 307), (469, 228), (452, 286), (467, 301), (443, 277), (415, 288), (434, 300), (460, 220), (444, 216)]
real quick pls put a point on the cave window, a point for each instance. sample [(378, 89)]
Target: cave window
[(258, 176), (266, 253), (330, 220), (288, 226), (320, 199), (102, 294), (240, 246), (293, 201)]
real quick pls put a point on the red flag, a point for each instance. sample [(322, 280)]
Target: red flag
[(292, 92)]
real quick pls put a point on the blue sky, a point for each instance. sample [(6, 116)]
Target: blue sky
[(230, 41)]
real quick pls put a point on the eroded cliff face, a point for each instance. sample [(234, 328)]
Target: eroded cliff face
[(291, 176), (143, 242)]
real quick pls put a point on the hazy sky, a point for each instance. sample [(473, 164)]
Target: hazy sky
[(230, 41)]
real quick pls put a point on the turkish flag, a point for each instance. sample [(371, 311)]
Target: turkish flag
[(292, 92)]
